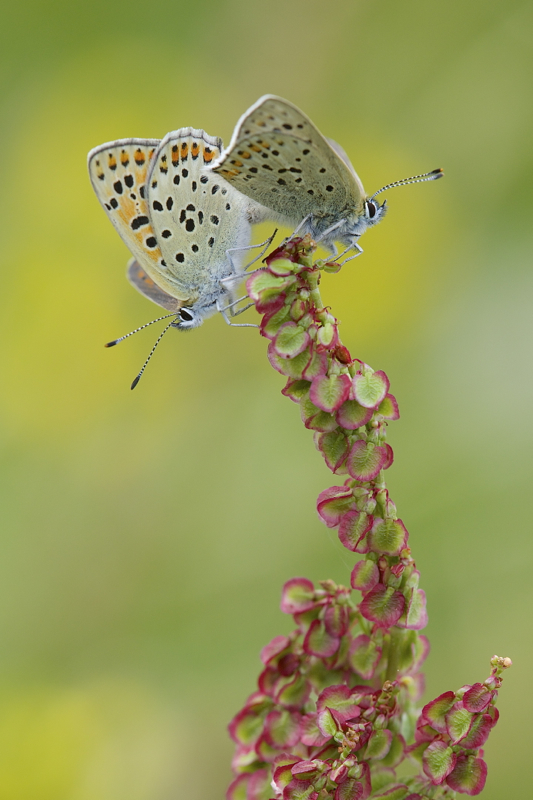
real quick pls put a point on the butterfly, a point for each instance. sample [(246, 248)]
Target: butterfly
[(279, 158), (186, 229)]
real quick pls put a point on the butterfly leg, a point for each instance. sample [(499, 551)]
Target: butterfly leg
[(231, 306), (296, 230), (266, 244), (330, 230), (237, 276), (354, 246), (226, 283), (341, 255), (234, 324)]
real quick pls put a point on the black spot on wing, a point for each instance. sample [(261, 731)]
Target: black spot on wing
[(139, 222)]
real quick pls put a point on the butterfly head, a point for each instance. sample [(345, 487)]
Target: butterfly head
[(358, 222), (189, 317), (374, 212), (193, 314)]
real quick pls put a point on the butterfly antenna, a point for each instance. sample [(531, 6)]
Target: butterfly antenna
[(146, 325), (426, 176), (152, 351)]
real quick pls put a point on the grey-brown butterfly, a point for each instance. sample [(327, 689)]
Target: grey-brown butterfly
[(279, 158)]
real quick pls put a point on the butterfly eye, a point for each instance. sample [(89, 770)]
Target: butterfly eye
[(370, 209), (185, 315)]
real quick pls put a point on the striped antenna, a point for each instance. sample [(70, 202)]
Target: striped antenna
[(139, 376), (427, 176), (116, 341)]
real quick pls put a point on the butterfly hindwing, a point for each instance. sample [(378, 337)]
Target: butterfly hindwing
[(118, 172), (281, 160), (146, 286), (196, 217)]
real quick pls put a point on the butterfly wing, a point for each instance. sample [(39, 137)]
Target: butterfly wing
[(146, 286), (343, 154), (196, 217), (118, 172), (281, 160)]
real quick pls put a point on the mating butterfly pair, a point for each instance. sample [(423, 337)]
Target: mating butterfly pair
[(184, 206)]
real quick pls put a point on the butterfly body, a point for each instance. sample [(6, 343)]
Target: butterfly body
[(279, 158), (178, 221)]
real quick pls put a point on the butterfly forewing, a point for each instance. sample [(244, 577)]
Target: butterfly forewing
[(195, 216), (118, 172), (146, 286), (281, 160)]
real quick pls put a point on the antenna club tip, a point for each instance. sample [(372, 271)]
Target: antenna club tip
[(438, 173), (111, 344), (135, 382)]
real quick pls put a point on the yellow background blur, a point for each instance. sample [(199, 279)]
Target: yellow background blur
[(146, 535)]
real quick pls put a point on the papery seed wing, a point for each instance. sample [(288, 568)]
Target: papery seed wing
[(280, 159)]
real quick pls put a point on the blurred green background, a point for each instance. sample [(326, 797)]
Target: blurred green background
[(146, 535)]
